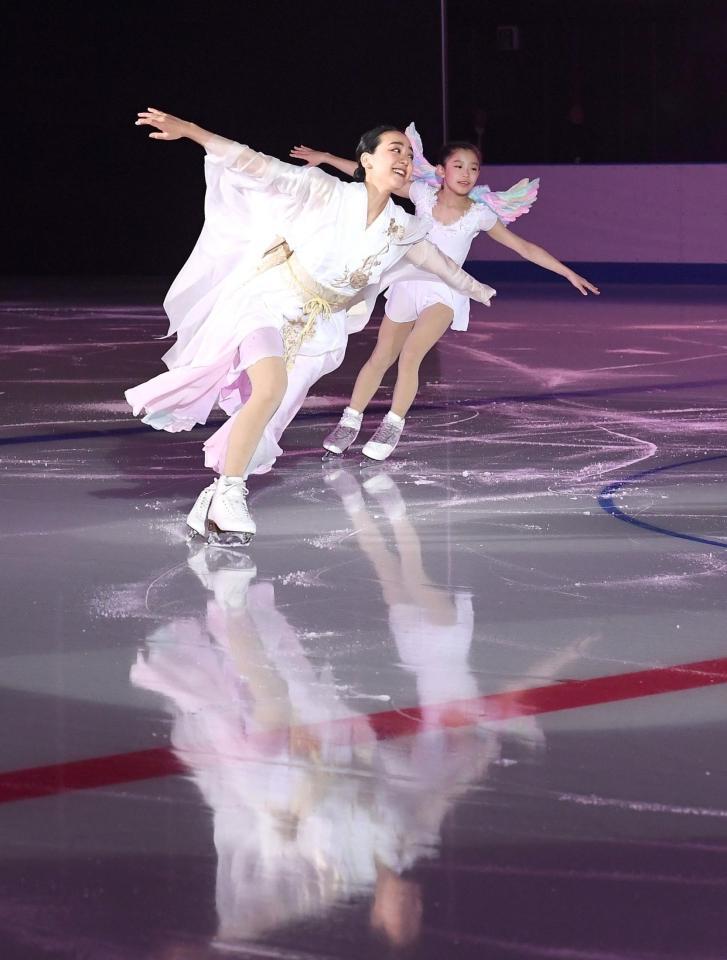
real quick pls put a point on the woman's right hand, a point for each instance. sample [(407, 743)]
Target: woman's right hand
[(313, 158), (486, 294), (167, 126)]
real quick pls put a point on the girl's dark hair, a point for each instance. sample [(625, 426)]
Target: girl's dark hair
[(449, 148), (367, 144)]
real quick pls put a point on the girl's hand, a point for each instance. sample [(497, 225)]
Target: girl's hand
[(167, 126), (582, 285), (312, 157)]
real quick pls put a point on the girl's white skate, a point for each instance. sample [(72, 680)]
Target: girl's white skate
[(384, 441), (228, 520), (343, 434)]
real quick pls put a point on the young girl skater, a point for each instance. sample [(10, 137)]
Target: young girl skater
[(419, 311), (289, 261)]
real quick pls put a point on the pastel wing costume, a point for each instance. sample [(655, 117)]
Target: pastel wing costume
[(507, 204)]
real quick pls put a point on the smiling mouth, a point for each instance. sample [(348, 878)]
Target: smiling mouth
[(399, 172)]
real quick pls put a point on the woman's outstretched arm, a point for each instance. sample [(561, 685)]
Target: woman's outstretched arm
[(168, 127), (426, 256), (238, 157), (535, 254)]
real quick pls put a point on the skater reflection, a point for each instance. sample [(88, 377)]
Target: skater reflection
[(313, 802)]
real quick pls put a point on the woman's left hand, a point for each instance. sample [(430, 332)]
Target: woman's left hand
[(582, 285), (167, 126)]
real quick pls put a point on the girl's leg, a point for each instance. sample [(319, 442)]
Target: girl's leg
[(268, 381), (389, 343), (430, 326)]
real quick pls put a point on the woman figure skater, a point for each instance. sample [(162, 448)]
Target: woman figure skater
[(289, 262), (419, 311)]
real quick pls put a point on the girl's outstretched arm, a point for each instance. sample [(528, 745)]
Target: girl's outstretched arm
[(535, 254), (314, 158)]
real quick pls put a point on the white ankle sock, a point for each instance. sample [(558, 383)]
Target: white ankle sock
[(350, 412), (394, 418)]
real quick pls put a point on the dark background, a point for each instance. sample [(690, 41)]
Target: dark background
[(592, 81)]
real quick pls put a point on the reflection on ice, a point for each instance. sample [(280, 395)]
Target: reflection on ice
[(310, 806), (313, 802)]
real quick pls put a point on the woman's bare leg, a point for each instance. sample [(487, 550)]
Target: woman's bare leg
[(429, 327), (391, 339), (269, 380)]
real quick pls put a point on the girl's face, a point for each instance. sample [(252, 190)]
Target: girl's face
[(460, 172), (389, 167)]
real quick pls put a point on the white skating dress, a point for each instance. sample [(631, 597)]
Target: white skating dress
[(243, 295), (407, 299)]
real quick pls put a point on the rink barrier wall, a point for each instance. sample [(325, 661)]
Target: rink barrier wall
[(626, 223), (599, 272)]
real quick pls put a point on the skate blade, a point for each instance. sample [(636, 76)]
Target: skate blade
[(193, 534), (330, 455), (229, 539)]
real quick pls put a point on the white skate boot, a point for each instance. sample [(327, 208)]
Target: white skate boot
[(228, 520), (197, 518), (384, 441), (344, 433)]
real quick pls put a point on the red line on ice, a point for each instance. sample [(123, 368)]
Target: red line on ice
[(121, 768)]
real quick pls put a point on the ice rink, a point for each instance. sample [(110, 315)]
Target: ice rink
[(468, 703)]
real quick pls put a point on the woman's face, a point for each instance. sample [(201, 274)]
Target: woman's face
[(389, 167), (460, 172)]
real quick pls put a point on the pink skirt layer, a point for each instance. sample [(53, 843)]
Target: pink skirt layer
[(183, 397)]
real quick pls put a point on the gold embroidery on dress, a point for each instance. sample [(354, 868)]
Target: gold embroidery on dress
[(296, 332), (320, 303), (361, 277)]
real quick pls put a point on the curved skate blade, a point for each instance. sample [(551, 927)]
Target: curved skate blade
[(229, 540), (330, 455)]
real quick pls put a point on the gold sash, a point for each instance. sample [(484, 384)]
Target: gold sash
[(318, 301)]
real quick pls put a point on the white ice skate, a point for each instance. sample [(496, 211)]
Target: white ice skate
[(343, 434), (384, 441), (197, 518), (228, 520)]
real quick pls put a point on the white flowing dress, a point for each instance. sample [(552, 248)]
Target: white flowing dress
[(406, 300), (242, 296)]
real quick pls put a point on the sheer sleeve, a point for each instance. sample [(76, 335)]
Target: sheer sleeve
[(426, 256), (257, 171)]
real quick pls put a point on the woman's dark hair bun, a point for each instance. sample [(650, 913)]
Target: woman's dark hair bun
[(368, 143)]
